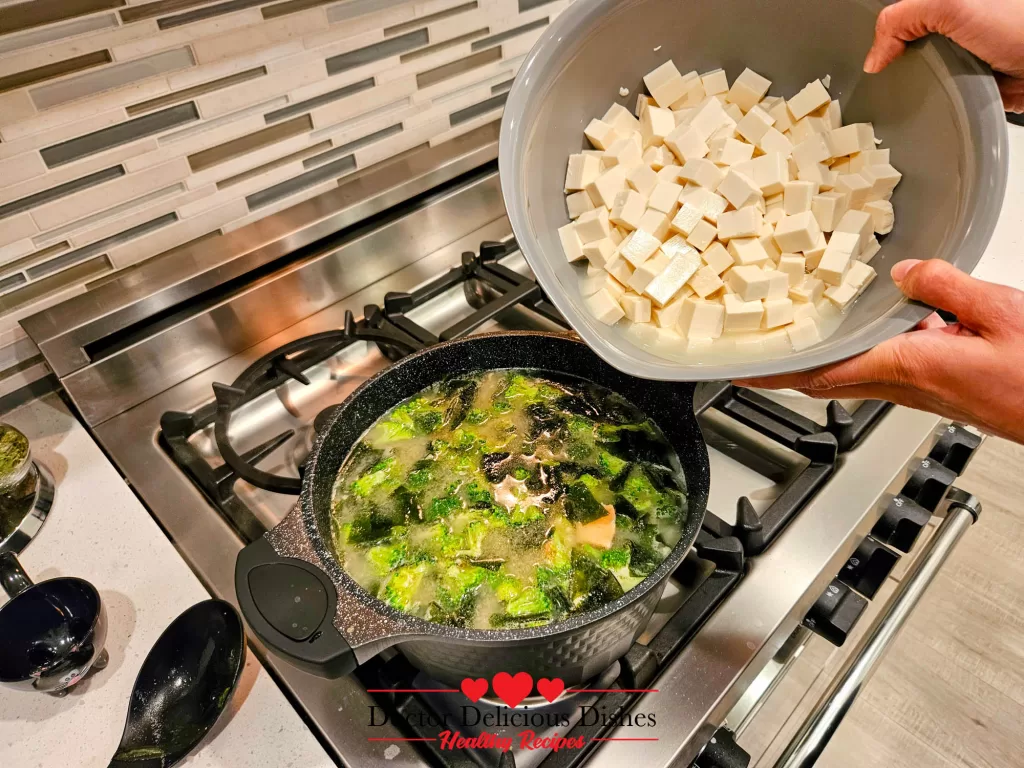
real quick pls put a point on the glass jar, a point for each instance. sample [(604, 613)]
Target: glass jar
[(18, 480)]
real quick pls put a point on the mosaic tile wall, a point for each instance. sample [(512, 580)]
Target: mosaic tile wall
[(132, 127)]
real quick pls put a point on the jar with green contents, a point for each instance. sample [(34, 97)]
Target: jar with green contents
[(19, 481)]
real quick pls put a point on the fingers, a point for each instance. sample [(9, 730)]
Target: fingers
[(932, 321), (978, 305), (902, 22), (1012, 91)]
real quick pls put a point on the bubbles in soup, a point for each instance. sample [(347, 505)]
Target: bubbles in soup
[(506, 498)]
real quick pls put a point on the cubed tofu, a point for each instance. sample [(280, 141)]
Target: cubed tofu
[(780, 111), (699, 319), (705, 281), (803, 333), (798, 196), (670, 172), (670, 282), (777, 313), (708, 118), (861, 160), (778, 283), (776, 141), (647, 271), (734, 151), (665, 197), (767, 240), (792, 265), (715, 82), (870, 250), (858, 222), (882, 216), (856, 137), (883, 179), (621, 120), (856, 186), (658, 157), (643, 101), (834, 115), (606, 186), (828, 209), (639, 247), (747, 251), (774, 215), (837, 257), (818, 173), (742, 315), (797, 233), (686, 219), (693, 93), (749, 283), (686, 143), (642, 179), (591, 284), (628, 209), (808, 99), (656, 222), (745, 222), (816, 148), (702, 236), (740, 190), (809, 290), (703, 173), (619, 268), (605, 307), (593, 225), (625, 151), (637, 309), (665, 84), (711, 205), (748, 89), (860, 275), (717, 257), (804, 309), (572, 247), (600, 252), (841, 165), (770, 172), (600, 134), (578, 203), (754, 124), (668, 316), (582, 171), (813, 255), (655, 124)]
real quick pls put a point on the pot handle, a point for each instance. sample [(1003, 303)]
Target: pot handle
[(289, 604), (12, 576)]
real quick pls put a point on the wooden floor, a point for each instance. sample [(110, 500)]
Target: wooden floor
[(950, 692)]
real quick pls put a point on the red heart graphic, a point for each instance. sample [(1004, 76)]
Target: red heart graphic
[(512, 689), (474, 689), (550, 689)]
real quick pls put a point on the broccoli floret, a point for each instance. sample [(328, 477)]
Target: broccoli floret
[(520, 516), (441, 507), (530, 601), (615, 558), (476, 417), (381, 472), (580, 427), (643, 558), (418, 479), (520, 386), (399, 591), (580, 504), (501, 405), (591, 586), (506, 588), (386, 557), (639, 491), (478, 495), (370, 527), (520, 473), (610, 465)]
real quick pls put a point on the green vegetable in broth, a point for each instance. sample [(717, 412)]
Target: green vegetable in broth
[(504, 499)]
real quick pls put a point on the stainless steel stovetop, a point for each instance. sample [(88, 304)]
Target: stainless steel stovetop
[(797, 484)]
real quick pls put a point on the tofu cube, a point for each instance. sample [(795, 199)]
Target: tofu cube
[(693, 93), (775, 201), (578, 203), (673, 278), (626, 151), (572, 247), (605, 307), (665, 84), (711, 205), (870, 250), (621, 120), (882, 216), (718, 258), (703, 173), (591, 284), (858, 222), (655, 124), (774, 215), (820, 174), (686, 219), (808, 99), (686, 143), (803, 333), (628, 209), (856, 186), (828, 209), (708, 118), (776, 141), (702, 236), (700, 319), (593, 225), (656, 222), (777, 312), (780, 111), (582, 171), (813, 255), (600, 252), (816, 148), (600, 134), (734, 152), (792, 265), (797, 233), (841, 165), (748, 282), (860, 275), (668, 316), (804, 309), (638, 248), (705, 281), (740, 190), (771, 172), (643, 101), (778, 284), (665, 197), (742, 315), (834, 115), (715, 82), (856, 137), (637, 309), (619, 268), (883, 180), (647, 271), (748, 89), (670, 172), (797, 196), (861, 160), (606, 186), (754, 124), (810, 290), (642, 179), (658, 157), (837, 257), (745, 222), (767, 240), (747, 251), (841, 295)]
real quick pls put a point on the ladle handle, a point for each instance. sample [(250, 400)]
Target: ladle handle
[(12, 576)]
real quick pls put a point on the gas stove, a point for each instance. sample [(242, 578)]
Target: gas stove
[(206, 382)]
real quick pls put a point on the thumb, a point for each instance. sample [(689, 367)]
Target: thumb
[(977, 305), (902, 22)]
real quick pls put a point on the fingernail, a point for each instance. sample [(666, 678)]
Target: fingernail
[(900, 269), (871, 62)]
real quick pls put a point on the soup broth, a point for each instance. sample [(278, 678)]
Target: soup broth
[(506, 498)]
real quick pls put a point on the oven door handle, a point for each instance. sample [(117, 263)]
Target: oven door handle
[(814, 735)]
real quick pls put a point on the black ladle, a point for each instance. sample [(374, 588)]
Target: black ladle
[(183, 687)]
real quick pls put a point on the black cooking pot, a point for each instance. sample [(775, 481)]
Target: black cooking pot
[(301, 604)]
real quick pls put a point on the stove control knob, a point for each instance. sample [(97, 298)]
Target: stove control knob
[(955, 447), (901, 523), (929, 480), (835, 613), (868, 567)]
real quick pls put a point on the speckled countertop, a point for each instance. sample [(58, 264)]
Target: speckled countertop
[(99, 530)]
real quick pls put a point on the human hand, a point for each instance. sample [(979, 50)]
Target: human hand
[(993, 30), (971, 371)]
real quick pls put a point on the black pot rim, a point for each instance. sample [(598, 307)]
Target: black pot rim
[(416, 626)]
